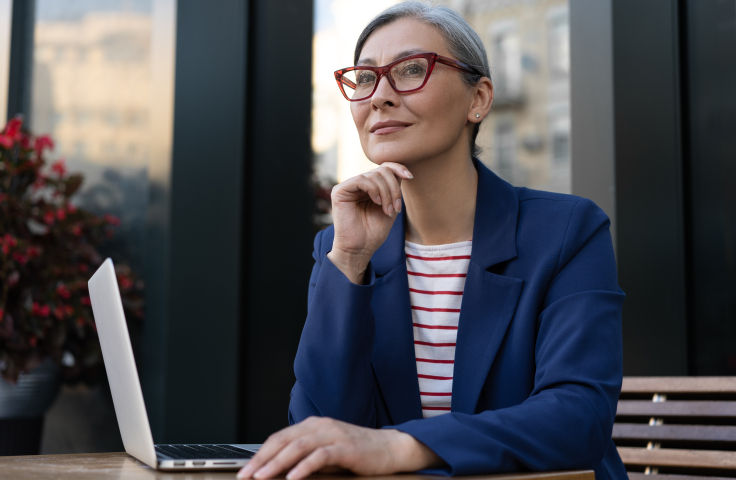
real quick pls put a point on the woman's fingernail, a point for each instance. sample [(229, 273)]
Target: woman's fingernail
[(291, 475), (408, 174), (390, 211), (262, 473), (245, 472), (397, 204)]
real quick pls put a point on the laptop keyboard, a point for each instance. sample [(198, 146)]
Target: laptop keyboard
[(192, 452)]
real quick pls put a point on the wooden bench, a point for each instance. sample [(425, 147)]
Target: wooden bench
[(677, 427)]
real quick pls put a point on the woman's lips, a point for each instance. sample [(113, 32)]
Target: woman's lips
[(387, 130), (389, 126)]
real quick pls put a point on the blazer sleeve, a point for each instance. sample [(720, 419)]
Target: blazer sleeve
[(567, 420), (334, 377)]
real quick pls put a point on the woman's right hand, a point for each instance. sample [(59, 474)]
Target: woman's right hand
[(364, 208)]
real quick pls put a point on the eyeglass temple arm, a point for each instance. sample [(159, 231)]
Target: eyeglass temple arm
[(340, 77), (459, 65)]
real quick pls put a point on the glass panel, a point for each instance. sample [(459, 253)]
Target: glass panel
[(525, 139), (92, 93)]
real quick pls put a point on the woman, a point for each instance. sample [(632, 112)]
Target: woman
[(530, 366)]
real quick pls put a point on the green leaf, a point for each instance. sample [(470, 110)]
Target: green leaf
[(72, 184)]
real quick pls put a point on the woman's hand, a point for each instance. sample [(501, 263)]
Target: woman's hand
[(325, 444), (364, 208)]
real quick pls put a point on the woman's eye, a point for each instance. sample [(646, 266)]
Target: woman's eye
[(412, 70), (364, 78)]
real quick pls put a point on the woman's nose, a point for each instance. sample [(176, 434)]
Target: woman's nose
[(385, 95)]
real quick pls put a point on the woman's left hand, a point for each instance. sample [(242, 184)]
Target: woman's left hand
[(325, 444)]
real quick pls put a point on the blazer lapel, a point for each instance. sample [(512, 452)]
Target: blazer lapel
[(393, 348), (489, 300), (488, 305)]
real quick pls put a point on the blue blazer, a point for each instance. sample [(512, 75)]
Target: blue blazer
[(538, 361)]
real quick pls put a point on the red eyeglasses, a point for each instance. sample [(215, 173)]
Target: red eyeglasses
[(406, 74)]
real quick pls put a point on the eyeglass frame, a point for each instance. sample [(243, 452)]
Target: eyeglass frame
[(432, 59)]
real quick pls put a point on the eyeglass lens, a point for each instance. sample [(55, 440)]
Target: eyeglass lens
[(407, 75)]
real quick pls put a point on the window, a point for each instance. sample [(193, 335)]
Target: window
[(505, 58)]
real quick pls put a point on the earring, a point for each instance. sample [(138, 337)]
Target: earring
[(477, 115)]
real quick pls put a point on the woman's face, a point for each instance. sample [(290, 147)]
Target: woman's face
[(436, 116)]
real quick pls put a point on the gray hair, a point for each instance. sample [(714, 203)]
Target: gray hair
[(462, 41)]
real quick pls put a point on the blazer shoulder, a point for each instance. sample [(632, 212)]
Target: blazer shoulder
[(528, 194), (550, 201)]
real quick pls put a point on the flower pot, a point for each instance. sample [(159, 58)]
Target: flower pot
[(22, 407)]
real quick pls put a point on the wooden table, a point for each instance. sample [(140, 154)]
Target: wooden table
[(124, 467)]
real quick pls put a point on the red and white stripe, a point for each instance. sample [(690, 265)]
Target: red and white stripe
[(436, 282)]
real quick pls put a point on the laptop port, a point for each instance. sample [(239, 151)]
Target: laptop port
[(198, 464), (224, 463), (179, 464)]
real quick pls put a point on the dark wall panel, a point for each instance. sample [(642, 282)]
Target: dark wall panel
[(711, 53), (201, 275), (649, 201), (279, 204)]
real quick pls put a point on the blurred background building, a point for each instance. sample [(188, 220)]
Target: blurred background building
[(189, 127)]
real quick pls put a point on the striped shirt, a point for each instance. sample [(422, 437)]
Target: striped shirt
[(436, 282)]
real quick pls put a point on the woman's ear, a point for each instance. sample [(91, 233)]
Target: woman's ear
[(482, 100)]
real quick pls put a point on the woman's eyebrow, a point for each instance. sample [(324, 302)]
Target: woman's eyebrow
[(405, 53)]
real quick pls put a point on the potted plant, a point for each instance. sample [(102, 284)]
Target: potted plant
[(48, 250)]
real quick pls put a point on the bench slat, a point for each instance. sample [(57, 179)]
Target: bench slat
[(679, 385), (696, 433), (675, 457), (679, 408)]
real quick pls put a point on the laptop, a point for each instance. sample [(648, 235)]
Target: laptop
[(107, 307)]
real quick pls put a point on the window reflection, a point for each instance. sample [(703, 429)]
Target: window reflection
[(92, 92), (525, 139)]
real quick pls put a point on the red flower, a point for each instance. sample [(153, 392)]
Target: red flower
[(6, 248), (12, 129), (63, 291), (6, 141), (38, 183), (68, 310), (2, 314), (111, 219), (61, 214), (32, 341), (10, 240), (20, 258), (59, 167), (43, 142), (59, 313), (33, 252), (125, 282), (80, 322), (49, 217), (85, 301), (41, 311)]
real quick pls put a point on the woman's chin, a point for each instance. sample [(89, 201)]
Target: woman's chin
[(404, 156)]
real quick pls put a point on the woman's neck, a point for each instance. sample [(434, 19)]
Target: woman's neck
[(440, 200)]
